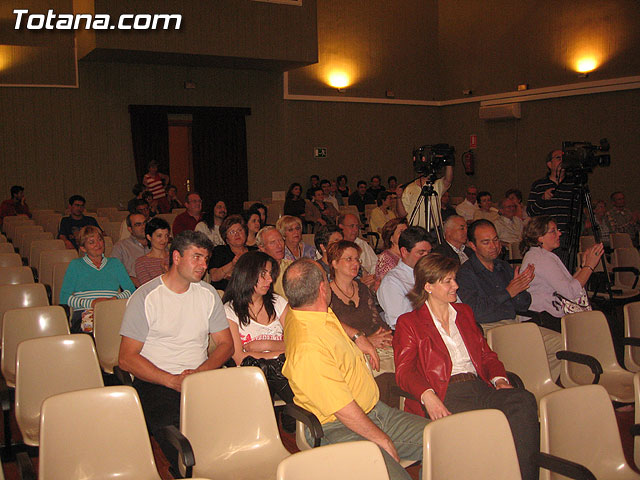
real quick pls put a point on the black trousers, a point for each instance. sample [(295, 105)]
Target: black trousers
[(161, 407), (518, 405)]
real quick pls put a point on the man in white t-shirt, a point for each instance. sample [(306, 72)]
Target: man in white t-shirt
[(467, 208), (350, 226), (412, 193), (166, 329)]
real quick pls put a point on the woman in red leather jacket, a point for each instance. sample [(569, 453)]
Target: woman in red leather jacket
[(443, 360)]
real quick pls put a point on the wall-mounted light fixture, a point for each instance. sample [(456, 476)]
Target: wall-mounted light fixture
[(585, 65), (339, 80)]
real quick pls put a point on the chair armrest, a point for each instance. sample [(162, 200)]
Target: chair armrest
[(67, 311), (633, 341), (5, 396), (564, 467), (515, 380), (515, 261), (375, 235), (308, 418), (123, 376), (396, 390), (635, 430), (182, 445), (34, 271), (584, 359), (25, 467), (633, 270)]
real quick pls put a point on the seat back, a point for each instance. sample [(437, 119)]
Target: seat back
[(107, 319), (514, 251), (118, 215), (28, 239), (108, 246), (22, 231), (579, 424), (40, 246), (21, 296), (586, 332), (59, 270), (275, 211), (51, 223), (39, 214), (620, 240), (632, 329), (521, 349), (361, 459), (100, 432), (7, 248), (15, 275), (47, 366), (235, 402), (3, 238), (168, 217), (105, 211), (586, 241), (49, 258), (636, 438), (9, 224), (465, 445), (10, 259), (112, 229), (625, 257), (24, 323)]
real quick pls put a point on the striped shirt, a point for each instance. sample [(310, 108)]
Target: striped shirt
[(154, 185), (562, 207)]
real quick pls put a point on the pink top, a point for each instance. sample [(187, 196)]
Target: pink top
[(148, 268), (154, 184), (386, 261)]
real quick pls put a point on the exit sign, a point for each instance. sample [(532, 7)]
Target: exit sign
[(320, 152)]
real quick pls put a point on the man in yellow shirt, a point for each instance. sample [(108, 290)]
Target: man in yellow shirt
[(329, 375)]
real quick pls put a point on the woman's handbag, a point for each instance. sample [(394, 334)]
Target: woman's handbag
[(272, 369), (570, 306)]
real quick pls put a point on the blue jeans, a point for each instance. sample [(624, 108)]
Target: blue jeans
[(404, 429)]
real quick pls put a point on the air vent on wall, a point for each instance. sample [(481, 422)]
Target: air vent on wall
[(501, 112)]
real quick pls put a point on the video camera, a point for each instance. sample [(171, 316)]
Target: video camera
[(429, 159), (583, 157)]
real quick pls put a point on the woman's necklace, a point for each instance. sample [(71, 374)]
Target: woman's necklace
[(351, 302), (255, 315)]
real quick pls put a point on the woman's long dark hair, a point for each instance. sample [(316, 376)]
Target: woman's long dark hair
[(243, 281), (291, 187), (208, 217)]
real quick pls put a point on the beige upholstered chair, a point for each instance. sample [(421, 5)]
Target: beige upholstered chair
[(107, 319), (521, 349), (51, 223), (24, 323), (40, 246), (588, 333), (636, 436), (47, 366), (228, 418), (621, 240), (15, 275), (7, 248), (9, 224), (118, 215), (20, 296), (59, 270), (48, 259), (10, 259), (112, 229), (579, 424), (21, 231), (632, 336), (28, 239), (341, 460)]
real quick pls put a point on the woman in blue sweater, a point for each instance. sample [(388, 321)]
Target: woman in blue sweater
[(92, 278)]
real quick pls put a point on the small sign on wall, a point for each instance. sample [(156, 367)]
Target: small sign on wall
[(473, 141), (320, 152)]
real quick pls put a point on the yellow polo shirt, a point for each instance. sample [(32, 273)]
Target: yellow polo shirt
[(326, 370), (277, 285)]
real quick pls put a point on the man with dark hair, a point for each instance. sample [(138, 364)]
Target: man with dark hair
[(414, 244), (16, 205), (71, 225), (455, 239), (325, 185), (361, 197), (314, 182), (486, 210), (325, 236), (319, 211), (166, 330), (494, 291), (375, 186), (329, 376), (385, 211), (128, 249), (139, 206), (189, 219)]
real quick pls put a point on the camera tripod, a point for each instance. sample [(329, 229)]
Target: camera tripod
[(432, 216)]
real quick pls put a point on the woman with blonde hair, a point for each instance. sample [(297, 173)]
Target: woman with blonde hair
[(290, 228)]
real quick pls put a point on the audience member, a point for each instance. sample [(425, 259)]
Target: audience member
[(252, 219), (325, 236), (172, 197), (155, 181), (92, 279), (16, 205), (270, 241), (414, 244), (329, 376), (325, 185), (446, 210), (189, 219), (139, 206), (156, 262), (166, 331), (262, 209), (497, 294), (602, 221), (623, 220), (318, 211), (291, 230), (486, 210), (411, 196), (390, 256), (71, 225), (224, 257), (154, 210), (392, 182), (553, 285), (334, 195), (129, 249), (455, 239), (515, 195), (294, 203), (361, 197), (342, 187), (443, 360), (467, 208), (350, 226), (314, 182), (137, 191), (211, 221), (375, 187), (384, 212), (508, 225)]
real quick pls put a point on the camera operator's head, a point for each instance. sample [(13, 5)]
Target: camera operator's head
[(554, 165)]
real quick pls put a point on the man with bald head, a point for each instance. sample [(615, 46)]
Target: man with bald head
[(329, 376), (455, 239), (270, 241)]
